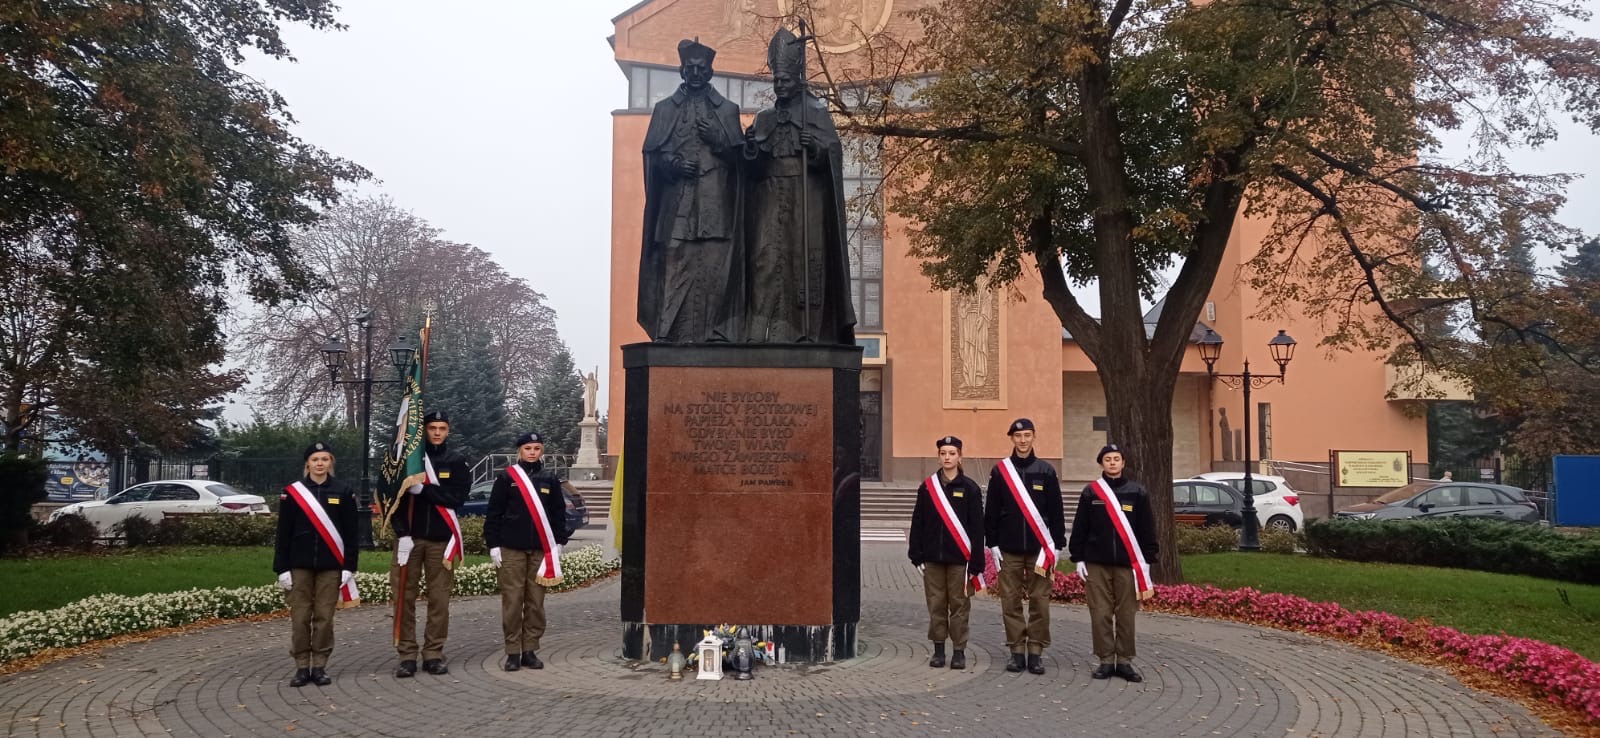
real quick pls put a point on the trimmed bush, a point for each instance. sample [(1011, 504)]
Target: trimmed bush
[(70, 531), (138, 530), (220, 530), (1280, 541), (1462, 543), (22, 480), (1210, 539)]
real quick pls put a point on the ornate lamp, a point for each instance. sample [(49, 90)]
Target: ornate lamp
[(1210, 349), (710, 651), (744, 655), (333, 353), (1282, 348), (401, 353)]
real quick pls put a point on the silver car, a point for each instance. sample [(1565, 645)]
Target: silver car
[(1447, 500)]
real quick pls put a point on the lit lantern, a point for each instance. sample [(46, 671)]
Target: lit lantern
[(710, 651)]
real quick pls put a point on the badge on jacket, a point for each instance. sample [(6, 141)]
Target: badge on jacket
[(444, 475), (1038, 488), (333, 500), (544, 490), (1127, 508), (958, 494)]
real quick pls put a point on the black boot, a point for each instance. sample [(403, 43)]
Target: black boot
[(1018, 663), (513, 663), (406, 670), (937, 661), (435, 667), (1126, 671), (301, 678), (531, 660), (1035, 663), (320, 677), (1104, 671), (958, 659)]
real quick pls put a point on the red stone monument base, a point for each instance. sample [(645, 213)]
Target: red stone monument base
[(741, 498)]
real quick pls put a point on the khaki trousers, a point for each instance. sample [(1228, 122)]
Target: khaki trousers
[(1112, 605), (945, 586), (521, 600), (312, 598), (426, 557), (1030, 632)]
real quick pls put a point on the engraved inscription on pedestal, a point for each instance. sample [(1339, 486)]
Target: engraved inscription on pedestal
[(756, 448)]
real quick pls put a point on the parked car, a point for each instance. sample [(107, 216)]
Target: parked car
[(1218, 502), (478, 503), (1447, 500), (1277, 504), (155, 500)]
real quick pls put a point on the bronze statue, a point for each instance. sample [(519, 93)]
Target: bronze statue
[(798, 275), (691, 263)]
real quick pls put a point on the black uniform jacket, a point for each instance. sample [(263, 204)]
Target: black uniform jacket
[(418, 515), (930, 539), (1095, 541), (300, 546), (510, 524), (1005, 526)]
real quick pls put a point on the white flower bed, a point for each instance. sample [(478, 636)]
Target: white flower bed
[(105, 616)]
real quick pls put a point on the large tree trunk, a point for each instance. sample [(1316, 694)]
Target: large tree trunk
[(1139, 411)]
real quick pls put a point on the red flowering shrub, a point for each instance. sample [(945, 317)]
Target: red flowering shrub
[(1557, 674)]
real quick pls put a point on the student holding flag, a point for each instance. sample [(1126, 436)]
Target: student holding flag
[(427, 527), (1114, 542), (525, 528), (315, 560), (946, 542), (1024, 519)]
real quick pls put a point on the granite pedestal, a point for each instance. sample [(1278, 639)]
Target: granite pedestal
[(742, 496)]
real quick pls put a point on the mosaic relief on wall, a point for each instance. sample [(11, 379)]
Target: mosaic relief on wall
[(974, 361), (744, 26)]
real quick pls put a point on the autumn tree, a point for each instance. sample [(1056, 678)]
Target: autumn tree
[(1101, 141), (143, 179), (376, 258), (556, 407)]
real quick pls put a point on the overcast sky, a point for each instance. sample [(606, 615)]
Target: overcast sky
[(491, 119)]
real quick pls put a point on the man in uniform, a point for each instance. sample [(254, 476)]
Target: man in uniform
[(1023, 518), (428, 532), (525, 527), (1114, 542)]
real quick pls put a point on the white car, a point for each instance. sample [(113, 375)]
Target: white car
[(154, 500), (1277, 504)]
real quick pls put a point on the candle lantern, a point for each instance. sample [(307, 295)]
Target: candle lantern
[(710, 651), (675, 663)]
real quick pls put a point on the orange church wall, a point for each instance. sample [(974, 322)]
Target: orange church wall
[(1331, 400), (627, 216)]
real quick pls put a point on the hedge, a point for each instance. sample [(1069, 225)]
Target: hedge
[(1461, 543)]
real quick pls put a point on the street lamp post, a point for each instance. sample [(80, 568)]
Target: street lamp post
[(1282, 348), (334, 355)]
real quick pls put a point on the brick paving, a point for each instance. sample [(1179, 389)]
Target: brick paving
[(1203, 678)]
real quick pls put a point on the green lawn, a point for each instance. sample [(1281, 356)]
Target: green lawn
[(40, 584), (1469, 601)]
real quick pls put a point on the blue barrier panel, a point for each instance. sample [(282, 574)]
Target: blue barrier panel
[(1577, 490)]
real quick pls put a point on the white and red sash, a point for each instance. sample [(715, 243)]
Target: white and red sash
[(550, 568), (1141, 568), (330, 535), (453, 550), (947, 512), (1046, 562)]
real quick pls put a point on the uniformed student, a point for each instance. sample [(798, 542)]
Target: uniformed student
[(1023, 518), (525, 529), (427, 527), (946, 542), (1114, 542), (315, 559)]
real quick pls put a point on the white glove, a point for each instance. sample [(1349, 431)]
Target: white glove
[(345, 577), (1083, 571), (402, 551), (494, 553), (416, 489), (286, 580)]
